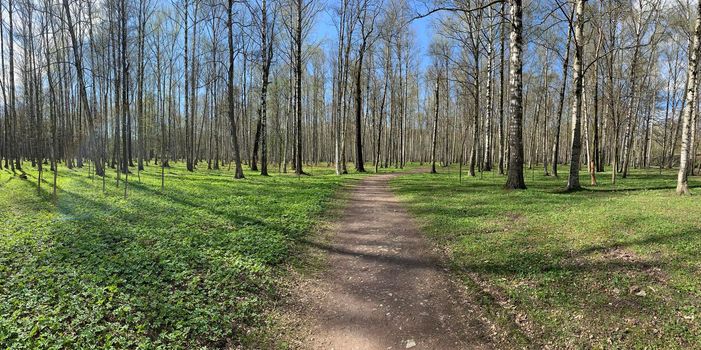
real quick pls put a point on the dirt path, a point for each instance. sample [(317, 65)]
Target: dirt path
[(383, 287)]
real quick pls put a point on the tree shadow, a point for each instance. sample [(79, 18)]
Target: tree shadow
[(193, 257)]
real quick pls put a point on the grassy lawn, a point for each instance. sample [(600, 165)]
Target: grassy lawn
[(608, 267), (190, 267)]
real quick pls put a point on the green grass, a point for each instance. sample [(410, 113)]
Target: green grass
[(191, 267), (607, 267)]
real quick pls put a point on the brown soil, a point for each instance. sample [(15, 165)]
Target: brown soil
[(383, 287)]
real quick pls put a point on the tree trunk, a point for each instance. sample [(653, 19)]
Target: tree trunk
[(266, 46), (691, 88), (140, 93), (298, 88), (125, 98), (561, 103), (359, 161), (578, 77), (501, 88), (435, 124), (99, 169), (488, 120), (230, 94), (515, 178)]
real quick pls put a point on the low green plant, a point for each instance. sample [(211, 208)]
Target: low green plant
[(612, 266), (192, 266)]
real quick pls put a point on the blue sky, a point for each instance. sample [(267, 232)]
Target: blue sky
[(325, 32), (423, 30)]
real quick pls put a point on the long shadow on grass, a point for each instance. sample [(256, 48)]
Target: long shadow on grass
[(546, 184), (564, 270), (112, 226), (631, 189), (538, 271), (232, 215), (381, 258), (150, 253)]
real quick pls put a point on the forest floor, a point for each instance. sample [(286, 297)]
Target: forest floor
[(383, 286), (412, 260), (192, 266), (612, 266)]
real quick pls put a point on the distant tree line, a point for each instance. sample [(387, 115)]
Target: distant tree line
[(120, 84)]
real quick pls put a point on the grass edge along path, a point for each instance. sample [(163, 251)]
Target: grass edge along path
[(191, 267), (604, 267)]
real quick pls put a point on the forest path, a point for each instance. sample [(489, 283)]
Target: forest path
[(383, 286)]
